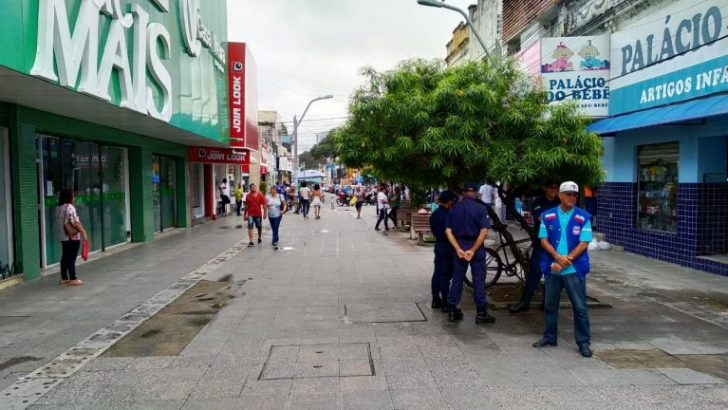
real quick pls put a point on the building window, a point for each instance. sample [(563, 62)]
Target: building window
[(657, 186)]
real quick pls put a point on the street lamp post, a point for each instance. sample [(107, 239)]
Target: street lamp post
[(442, 4), (296, 123)]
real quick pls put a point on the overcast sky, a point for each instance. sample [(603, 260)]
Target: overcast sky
[(308, 48)]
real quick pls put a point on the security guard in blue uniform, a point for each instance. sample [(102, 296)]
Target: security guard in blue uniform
[(444, 252), (549, 200), (467, 228)]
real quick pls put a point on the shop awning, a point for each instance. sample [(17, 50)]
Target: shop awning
[(691, 110)]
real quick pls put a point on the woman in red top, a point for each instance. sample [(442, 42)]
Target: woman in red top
[(255, 208)]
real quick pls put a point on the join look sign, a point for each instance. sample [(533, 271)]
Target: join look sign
[(681, 56)]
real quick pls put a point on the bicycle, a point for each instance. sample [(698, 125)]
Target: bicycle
[(495, 264)]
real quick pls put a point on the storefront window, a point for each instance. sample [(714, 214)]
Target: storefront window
[(657, 186), (164, 189), (97, 176), (6, 224)]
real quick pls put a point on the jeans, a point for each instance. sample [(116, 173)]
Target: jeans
[(477, 267), (383, 217), (275, 223), (534, 275), (576, 289), (68, 259), (444, 264), (305, 206), (393, 215)]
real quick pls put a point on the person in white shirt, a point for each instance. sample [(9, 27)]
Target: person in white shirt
[(224, 196), (486, 193), (305, 195), (382, 207)]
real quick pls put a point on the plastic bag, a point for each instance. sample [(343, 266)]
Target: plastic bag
[(604, 246), (593, 245), (85, 247), (354, 200)]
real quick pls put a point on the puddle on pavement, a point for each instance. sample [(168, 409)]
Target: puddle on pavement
[(713, 364), (168, 332), (501, 295)]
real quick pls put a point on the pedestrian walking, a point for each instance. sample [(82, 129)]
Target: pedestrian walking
[(486, 193), (255, 207), (224, 196), (238, 198), (395, 200), (382, 206), (359, 195), (70, 232), (444, 252), (317, 201), (304, 196), (467, 229), (549, 200), (565, 234), (276, 208)]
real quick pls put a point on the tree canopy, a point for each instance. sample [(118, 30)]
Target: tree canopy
[(424, 125)]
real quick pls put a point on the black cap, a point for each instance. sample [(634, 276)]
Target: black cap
[(470, 187)]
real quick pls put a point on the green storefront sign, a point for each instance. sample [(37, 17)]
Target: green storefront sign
[(161, 58)]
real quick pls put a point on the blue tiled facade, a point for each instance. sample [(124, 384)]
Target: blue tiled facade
[(702, 224)]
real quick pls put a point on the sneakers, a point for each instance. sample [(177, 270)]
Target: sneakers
[(520, 307), (436, 302), (585, 350), (483, 317), (543, 343)]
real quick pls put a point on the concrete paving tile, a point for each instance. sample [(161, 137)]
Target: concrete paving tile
[(604, 377), (316, 385), (363, 383), (108, 363), (689, 376), (315, 401), (207, 404), (464, 399), (535, 377), (402, 366), (418, 399), (367, 400), (217, 388), (150, 363), (355, 368), (267, 386), (263, 402), (406, 381)]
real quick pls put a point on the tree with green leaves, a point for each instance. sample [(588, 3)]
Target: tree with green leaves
[(427, 126)]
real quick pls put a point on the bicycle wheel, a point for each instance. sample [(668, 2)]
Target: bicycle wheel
[(493, 269)]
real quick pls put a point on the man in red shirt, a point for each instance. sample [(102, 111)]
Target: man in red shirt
[(255, 207)]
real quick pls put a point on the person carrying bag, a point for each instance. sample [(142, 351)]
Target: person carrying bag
[(70, 234)]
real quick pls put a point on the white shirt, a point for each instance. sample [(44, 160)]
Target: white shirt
[(382, 201), (224, 190), (64, 214), (305, 193), (486, 193), (274, 205)]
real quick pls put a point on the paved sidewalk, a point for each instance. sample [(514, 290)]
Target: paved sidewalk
[(339, 318)]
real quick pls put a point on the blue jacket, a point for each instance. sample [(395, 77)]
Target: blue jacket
[(550, 219), (438, 223)]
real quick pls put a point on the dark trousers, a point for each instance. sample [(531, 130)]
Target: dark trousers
[(238, 206), (68, 259), (393, 215), (477, 268), (576, 289), (383, 217), (305, 206), (275, 224), (444, 265), (534, 274)]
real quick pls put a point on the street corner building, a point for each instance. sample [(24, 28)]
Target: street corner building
[(126, 103), (665, 141)]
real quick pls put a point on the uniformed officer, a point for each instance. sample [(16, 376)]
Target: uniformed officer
[(444, 252), (549, 200), (467, 228), (565, 235)]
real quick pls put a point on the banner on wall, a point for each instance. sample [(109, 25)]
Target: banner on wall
[(681, 56), (577, 69), (243, 94), (209, 155)]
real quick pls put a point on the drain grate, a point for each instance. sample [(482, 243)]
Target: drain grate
[(316, 361)]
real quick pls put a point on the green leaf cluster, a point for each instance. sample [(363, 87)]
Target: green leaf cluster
[(424, 125)]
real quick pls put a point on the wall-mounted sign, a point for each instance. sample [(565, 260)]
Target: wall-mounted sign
[(242, 91), (680, 56), (577, 69), (218, 156), (196, 34)]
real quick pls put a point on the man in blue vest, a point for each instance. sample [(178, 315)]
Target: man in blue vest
[(467, 228), (444, 253), (565, 235)]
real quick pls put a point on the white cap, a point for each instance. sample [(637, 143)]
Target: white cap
[(569, 186)]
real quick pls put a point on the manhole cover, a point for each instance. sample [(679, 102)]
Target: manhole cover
[(314, 361), (384, 313)]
